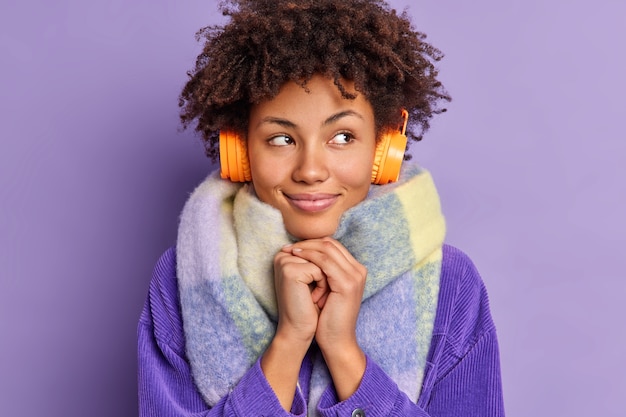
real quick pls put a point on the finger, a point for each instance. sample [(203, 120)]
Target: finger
[(287, 248), (343, 250), (326, 245), (283, 258), (322, 301), (295, 269), (331, 256), (320, 290), (321, 249)]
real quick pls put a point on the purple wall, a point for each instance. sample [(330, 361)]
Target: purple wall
[(94, 171)]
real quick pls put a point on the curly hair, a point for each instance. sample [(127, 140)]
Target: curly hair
[(267, 43)]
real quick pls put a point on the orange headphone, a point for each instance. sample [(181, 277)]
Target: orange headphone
[(387, 160)]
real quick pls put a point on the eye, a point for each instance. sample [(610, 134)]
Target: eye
[(280, 140), (342, 138)]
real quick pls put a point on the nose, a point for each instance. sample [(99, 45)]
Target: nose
[(311, 165)]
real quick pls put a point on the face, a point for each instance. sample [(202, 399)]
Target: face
[(311, 154)]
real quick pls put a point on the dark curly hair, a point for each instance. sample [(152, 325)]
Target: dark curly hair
[(267, 43)]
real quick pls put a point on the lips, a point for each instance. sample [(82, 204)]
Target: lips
[(312, 202)]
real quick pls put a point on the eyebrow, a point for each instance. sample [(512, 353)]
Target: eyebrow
[(341, 115), (330, 120)]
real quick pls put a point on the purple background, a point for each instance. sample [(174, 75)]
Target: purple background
[(94, 171)]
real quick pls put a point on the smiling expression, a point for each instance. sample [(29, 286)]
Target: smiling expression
[(311, 154)]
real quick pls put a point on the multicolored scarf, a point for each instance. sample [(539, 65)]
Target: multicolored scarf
[(227, 240)]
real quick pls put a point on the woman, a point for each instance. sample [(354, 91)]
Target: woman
[(306, 279)]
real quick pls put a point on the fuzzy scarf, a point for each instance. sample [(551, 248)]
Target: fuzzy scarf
[(227, 240)]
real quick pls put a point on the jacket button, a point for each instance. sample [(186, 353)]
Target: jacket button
[(358, 413)]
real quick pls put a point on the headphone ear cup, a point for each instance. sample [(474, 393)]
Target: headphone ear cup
[(234, 163), (390, 154), (388, 158)]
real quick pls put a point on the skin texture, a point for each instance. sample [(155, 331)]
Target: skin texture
[(311, 155), (319, 147)]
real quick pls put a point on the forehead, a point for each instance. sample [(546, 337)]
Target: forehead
[(319, 97)]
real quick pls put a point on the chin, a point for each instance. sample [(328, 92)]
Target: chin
[(313, 231)]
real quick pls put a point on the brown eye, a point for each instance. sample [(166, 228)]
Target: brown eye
[(281, 140), (342, 138)]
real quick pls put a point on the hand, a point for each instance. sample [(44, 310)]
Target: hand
[(340, 291), (299, 286)]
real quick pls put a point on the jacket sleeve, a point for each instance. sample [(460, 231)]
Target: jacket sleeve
[(473, 386), (464, 362), (376, 396), (462, 375), (166, 387)]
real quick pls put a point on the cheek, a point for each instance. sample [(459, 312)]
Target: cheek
[(262, 188), (266, 179), (357, 173)]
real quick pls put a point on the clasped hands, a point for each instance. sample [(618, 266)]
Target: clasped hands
[(319, 286)]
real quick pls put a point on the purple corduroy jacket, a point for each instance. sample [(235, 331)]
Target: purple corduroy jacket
[(462, 375)]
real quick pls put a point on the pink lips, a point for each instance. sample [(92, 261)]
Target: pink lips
[(312, 202)]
